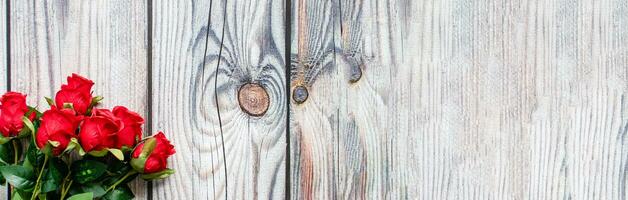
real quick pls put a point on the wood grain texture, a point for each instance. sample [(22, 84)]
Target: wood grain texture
[(105, 41), (3, 64), (203, 51), (460, 99)]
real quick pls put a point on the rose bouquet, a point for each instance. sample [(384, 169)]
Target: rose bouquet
[(76, 150)]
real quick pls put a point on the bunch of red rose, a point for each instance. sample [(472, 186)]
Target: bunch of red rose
[(76, 150)]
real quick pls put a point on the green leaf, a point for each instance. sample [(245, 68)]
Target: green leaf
[(54, 143), (34, 156), (54, 175), (60, 165), (87, 170), (16, 196), (158, 175), (100, 153), (75, 189), (82, 196), (18, 176), (20, 195), (149, 146), (4, 140), (28, 124), (27, 164), (96, 100), (25, 132), (97, 189), (126, 149), (74, 144), (50, 183), (68, 106), (138, 164), (118, 168), (117, 153), (50, 101), (6, 154), (122, 192)]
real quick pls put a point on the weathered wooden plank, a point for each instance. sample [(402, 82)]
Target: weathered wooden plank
[(103, 40), (203, 51), (3, 49), (339, 133), (3, 64), (460, 99), (313, 128)]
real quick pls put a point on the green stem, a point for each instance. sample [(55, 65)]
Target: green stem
[(16, 158), (65, 186), (66, 190), (121, 180), (36, 190), (15, 152)]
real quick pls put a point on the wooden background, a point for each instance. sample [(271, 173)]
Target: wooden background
[(408, 99)]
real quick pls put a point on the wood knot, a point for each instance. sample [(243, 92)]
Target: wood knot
[(253, 99), (299, 94), (356, 73)]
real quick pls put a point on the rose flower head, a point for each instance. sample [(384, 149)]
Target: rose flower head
[(58, 127), (12, 110), (98, 133), (131, 134), (77, 92), (150, 157)]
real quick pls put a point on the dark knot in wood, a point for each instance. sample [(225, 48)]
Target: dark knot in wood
[(253, 99), (299, 94), (356, 73)]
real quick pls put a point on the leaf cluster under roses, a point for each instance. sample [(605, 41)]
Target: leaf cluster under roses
[(76, 150)]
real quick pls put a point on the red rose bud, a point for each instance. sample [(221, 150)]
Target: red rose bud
[(58, 127), (150, 157), (12, 109), (77, 92), (98, 132), (132, 131)]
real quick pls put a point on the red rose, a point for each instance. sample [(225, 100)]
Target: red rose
[(147, 161), (98, 132), (77, 92), (132, 131), (12, 109), (59, 126)]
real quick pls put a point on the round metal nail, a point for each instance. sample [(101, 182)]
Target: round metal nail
[(253, 99), (299, 94)]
